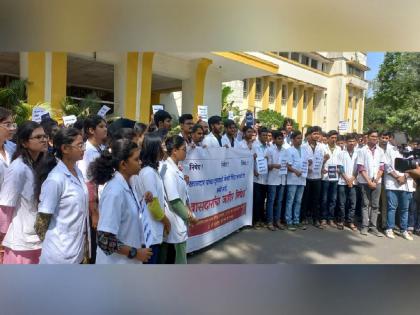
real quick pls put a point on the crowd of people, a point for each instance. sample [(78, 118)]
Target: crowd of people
[(98, 192)]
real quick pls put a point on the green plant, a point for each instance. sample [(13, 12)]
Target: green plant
[(228, 106), (13, 94), (91, 104), (272, 119)]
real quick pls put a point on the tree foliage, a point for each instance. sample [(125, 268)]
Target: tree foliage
[(272, 119), (396, 102), (228, 106)]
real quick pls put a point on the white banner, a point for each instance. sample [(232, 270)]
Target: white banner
[(203, 112), (220, 190)]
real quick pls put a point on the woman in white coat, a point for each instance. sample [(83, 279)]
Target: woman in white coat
[(149, 180), (120, 229), (62, 222), (21, 244), (174, 250), (7, 149)]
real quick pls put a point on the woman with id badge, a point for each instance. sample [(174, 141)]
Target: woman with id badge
[(120, 230), (174, 250)]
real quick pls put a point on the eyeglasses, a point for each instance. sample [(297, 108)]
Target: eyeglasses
[(81, 146), (9, 125), (40, 137)]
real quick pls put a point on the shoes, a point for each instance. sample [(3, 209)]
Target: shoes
[(340, 226), (278, 225), (324, 223), (301, 226), (364, 231), (352, 227), (375, 232), (318, 225), (332, 224), (291, 227), (271, 227), (407, 236), (389, 233)]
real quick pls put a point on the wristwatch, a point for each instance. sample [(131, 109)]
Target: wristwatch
[(132, 253)]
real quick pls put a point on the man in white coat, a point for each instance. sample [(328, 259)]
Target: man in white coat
[(214, 138)]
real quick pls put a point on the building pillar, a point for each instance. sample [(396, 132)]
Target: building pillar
[(300, 106), (251, 94), (310, 107), (353, 109), (266, 93), (361, 112), (346, 104), (290, 100), (278, 95)]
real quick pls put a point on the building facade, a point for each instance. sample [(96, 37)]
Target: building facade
[(312, 88)]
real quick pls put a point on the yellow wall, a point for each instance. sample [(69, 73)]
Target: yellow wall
[(251, 94), (36, 77), (58, 80), (265, 97), (300, 107), (310, 107), (131, 85), (146, 87), (278, 95), (200, 77), (290, 100)]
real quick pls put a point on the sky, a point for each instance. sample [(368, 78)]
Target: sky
[(374, 61)]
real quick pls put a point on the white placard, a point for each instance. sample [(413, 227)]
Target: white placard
[(343, 126), (156, 108), (317, 164), (147, 232), (283, 166), (230, 115), (104, 109), (203, 112), (37, 113), (262, 165), (304, 168), (69, 120)]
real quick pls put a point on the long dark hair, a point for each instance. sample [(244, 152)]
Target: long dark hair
[(49, 161), (174, 142), (151, 150), (103, 168), (23, 134), (91, 121)]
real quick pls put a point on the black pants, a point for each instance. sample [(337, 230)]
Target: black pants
[(260, 194), (311, 200), (346, 200), (93, 243)]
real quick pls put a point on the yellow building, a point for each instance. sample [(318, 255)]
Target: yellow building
[(313, 88)]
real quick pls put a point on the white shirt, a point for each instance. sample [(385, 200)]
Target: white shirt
[(349, 165), (210, 141), (119, 214), (91, 153), (9, 149), (65, 197), (390, 182), (317, 157), (299, 161), (371, 162), (149, 180), (276, 156), (332, 162), (18, 192), (261, 151), (176, 188), (226, 142), (244, 145)]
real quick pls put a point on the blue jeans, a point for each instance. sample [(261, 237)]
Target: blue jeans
[(329, 199), (274, 202), (293, 201), (401, 200), (414, 215)]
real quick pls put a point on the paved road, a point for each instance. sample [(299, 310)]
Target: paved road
[(313, 246)]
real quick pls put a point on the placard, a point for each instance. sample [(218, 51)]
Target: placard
[(343, 125), (203, 112), (262, 165), (69, 120), (317, 164), (104, 109), (37, 113), (157, 107), (249, 119), (332, 172), (283, 166), (304, 168), (230, 115)]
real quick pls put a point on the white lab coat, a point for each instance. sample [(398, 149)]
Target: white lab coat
[(66, 198)]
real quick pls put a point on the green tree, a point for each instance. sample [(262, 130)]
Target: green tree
[(228, 106), (272, 119), (91, 104), (396, 101)]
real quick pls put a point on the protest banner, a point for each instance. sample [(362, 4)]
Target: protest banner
[(220, 193)]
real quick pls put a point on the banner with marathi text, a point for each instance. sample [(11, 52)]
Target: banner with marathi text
[(220, 192)]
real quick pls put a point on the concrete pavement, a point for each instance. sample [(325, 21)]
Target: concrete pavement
[(313, 246)]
